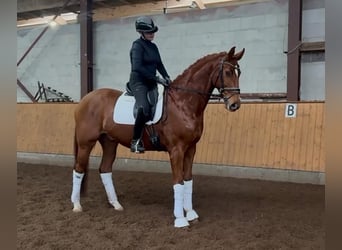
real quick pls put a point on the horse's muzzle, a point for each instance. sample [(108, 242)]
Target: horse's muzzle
[(233, 101)]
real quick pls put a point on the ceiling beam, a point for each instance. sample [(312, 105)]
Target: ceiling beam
[(32, 5), (110, 9), (200, 4)]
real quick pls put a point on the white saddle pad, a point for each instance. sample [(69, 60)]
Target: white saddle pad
[(123, 109)]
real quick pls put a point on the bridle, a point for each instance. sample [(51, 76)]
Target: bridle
[(222, 89), (232, 90)]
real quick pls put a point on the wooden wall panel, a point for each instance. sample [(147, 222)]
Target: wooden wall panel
[(257, 135), (260, 135), (45, 128)]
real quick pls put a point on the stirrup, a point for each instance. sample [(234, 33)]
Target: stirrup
[(137, 146)]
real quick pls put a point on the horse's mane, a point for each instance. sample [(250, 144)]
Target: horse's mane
[(205, 59)]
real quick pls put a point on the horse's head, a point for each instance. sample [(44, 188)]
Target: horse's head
[(226, 80)]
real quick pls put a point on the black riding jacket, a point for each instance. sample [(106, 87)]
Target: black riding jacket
[(145, 61)]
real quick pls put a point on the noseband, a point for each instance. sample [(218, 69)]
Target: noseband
[(232, 90)]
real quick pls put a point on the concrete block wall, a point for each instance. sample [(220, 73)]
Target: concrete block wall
[(183, 38), (313, 21), (313, 64), (54, 60)]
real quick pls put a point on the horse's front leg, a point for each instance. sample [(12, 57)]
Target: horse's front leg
[(177, 159), (191, 214)]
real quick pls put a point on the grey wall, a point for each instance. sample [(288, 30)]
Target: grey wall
[(54, 60), (313, 64), (183, 38)]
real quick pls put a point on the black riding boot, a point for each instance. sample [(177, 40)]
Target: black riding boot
[(137, 145)]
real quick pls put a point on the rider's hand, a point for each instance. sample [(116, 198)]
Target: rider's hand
[(168, 80), (161, 81)]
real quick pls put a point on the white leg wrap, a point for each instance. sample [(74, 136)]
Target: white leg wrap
[(187, 195), (76, 189), (178, 212), (190, 213), (110, 190)]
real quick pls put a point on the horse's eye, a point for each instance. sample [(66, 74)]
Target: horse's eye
[(228, 73)]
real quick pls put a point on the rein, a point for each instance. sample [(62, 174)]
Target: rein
[(233, 90), (190, 90)]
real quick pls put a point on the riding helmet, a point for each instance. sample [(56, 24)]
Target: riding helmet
[(145, 24)]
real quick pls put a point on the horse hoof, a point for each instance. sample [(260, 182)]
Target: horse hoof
[(77, 208), (181, 222), (191, 215), (117, 206), (195, 221)]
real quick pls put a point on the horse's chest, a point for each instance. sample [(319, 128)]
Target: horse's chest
[(193, 130)]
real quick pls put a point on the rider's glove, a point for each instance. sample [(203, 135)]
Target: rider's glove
[(161, 81), (168, 80)]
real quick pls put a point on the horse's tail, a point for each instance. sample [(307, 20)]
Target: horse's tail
[(85, 177)]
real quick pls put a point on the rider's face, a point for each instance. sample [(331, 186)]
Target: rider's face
[(149, 36)]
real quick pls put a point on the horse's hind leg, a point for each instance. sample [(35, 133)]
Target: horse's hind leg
[(82, 153), (109, 153)]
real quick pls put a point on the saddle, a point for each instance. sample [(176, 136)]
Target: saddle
[(152, 98), (125, 108), (125, 111)]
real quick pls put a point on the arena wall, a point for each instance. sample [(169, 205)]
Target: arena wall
[(257, 136)]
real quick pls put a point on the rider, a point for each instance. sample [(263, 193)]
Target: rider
[(145, 62)]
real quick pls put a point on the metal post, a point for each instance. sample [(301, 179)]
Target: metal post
[(293, 55), (86, 53), (19, 83)]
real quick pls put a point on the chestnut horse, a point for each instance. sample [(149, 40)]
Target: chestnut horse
[(179, 129)]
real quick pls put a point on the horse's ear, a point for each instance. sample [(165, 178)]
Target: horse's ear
[(239, 55), (231, 53)]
